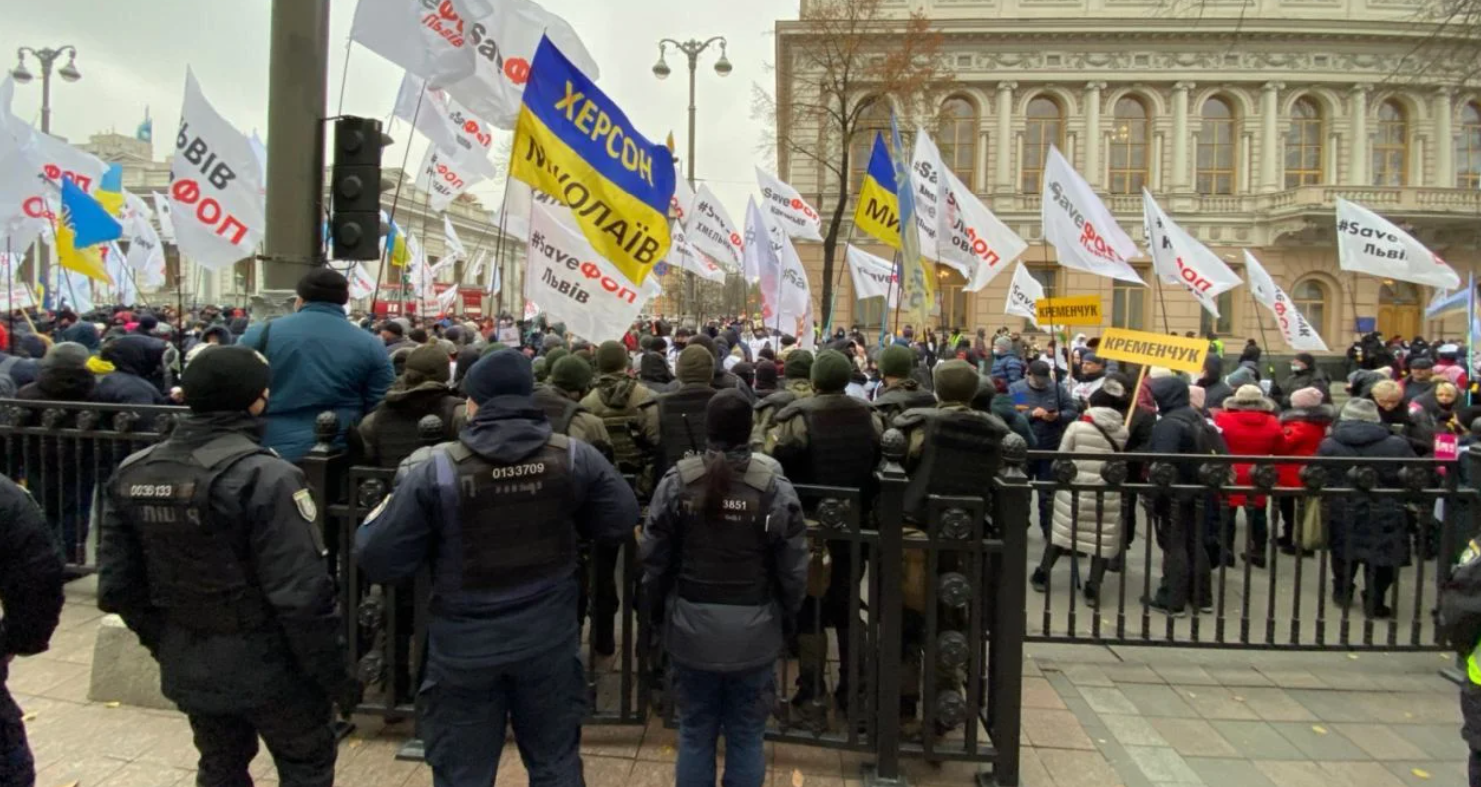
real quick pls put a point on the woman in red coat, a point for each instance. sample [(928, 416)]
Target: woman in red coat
[(1250, 429), (1305, 425)]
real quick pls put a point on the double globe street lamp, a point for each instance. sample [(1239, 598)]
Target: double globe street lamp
[(692, 49), (22, 75)]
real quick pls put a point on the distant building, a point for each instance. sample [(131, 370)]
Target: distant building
[(1246, 126)]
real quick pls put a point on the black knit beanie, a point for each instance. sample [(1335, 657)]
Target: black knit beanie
[(728, 419), (326, 285), (225, 379)]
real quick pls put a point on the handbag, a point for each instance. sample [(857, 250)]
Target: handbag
[(1313, 535)]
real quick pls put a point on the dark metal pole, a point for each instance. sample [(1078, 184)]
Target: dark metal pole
[(298, 93), (689, 297)]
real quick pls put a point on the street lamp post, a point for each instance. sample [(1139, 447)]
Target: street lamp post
[(692, 49), (46, 56)]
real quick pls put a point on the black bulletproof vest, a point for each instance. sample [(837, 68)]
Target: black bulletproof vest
[(898, 400), (397, 434), (840, 440), (558, 408), (960, 456), (515, 518), (681, 425), (198, 563), (725, 560)]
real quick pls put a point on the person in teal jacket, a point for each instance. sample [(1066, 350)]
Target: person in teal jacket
[(321, 361)]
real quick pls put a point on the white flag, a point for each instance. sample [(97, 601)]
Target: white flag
[(787, 208), (1023, 292), (146, 250), (1369, 243), (497, 284), (475, 271), (681, 205), (444, 177), (162, 212), (713, 232), (1298, 333), (763, 263), (574, 284), (972, 238), (447, 299), (119, 271), (451, 242), (1178, 258), (362, 284), (925, 178), (874, 277), (683, 255), (447, 124), (513, 218), (478, 50), (1083, 232), (216, 195)]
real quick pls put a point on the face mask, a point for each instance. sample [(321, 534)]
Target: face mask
[(1297, 368)]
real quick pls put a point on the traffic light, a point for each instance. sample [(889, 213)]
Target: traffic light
[(354, 221)]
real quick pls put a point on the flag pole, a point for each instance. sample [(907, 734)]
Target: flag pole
[(396, 199), (9, 293), (1470, 331), (899, 289), (833, 299), (1265, 341)]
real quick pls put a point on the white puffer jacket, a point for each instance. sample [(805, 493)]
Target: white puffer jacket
[(1083, 438)]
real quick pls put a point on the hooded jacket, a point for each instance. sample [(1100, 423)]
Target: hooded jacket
[(136, 361), (391, 431), (654, 373), (1176, 429), (726, 637), (1370, 528), (1008, 367), (1091, 525), (82, 332), (1304, 432), (1214, 388), (471, 631), (1250, 430)]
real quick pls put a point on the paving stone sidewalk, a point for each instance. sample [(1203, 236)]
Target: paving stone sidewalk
[(1093, 717)]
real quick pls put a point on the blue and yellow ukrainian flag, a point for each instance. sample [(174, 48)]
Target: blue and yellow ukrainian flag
[(878, 213), (917, 279), (81, 227), (397, 250), (109, 192), (572, 142)]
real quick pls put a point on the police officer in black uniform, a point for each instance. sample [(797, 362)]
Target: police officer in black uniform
[(681, 413), (31, 592), (211, 555), (498, 515), (827, 439)]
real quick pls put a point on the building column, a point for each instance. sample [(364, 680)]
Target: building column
[(1444, 139), (1180, 138), (1357, 175), (1091, 170), (1003, 169), (1269, 136)]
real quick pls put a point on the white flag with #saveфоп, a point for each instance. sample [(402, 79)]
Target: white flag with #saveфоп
[(873, 277), (788, 209), (1178, 258), (1023, 293), (683, 255), (479, 51), (1298, 333), (1369, 243), (973, 240), (1084, 234), (713, 232), (513, 219), (447, 124), (216, 193), (681, 205), (444, 176), (576, 286), (926, 182), (450, 240)]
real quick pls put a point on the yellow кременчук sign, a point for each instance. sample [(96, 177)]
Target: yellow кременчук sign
[(1153, 349), (1079, 310)]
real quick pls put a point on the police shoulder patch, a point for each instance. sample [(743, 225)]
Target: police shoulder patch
[(381, 506), (304, 499)]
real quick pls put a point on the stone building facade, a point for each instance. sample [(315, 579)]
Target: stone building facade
[(1246, 121)]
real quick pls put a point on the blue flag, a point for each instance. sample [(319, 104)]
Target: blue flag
[(88, 220)]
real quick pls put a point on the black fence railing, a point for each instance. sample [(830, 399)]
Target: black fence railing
[(916, 649), (1352, 559)]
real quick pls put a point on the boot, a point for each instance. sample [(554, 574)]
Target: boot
[(1039, 580)]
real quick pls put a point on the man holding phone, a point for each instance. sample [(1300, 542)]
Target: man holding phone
[(1049, 408)]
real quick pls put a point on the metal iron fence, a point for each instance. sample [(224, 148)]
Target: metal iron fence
[(1403, 522), (921, 654)]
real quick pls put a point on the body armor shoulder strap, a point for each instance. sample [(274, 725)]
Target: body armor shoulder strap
[(912, 418), (226, 448), (691, 469), (459, 451), (761, 471), (778, 399), (790, 411)]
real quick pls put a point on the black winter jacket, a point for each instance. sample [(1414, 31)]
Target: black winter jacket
[(1360, 527)]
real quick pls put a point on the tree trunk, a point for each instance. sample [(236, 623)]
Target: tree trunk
[(830, 241)]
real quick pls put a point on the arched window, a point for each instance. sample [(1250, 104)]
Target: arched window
[(1216, 148), (1468, 149), (1129, 137), (1304, 145), (874, 119), (1310, 297), (1391, 146), (957, 139), (1044, 126)]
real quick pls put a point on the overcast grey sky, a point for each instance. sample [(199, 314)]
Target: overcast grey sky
[(134, 54)]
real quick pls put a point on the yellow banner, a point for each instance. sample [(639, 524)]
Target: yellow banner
[(1079, 310), (1153, 349)]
